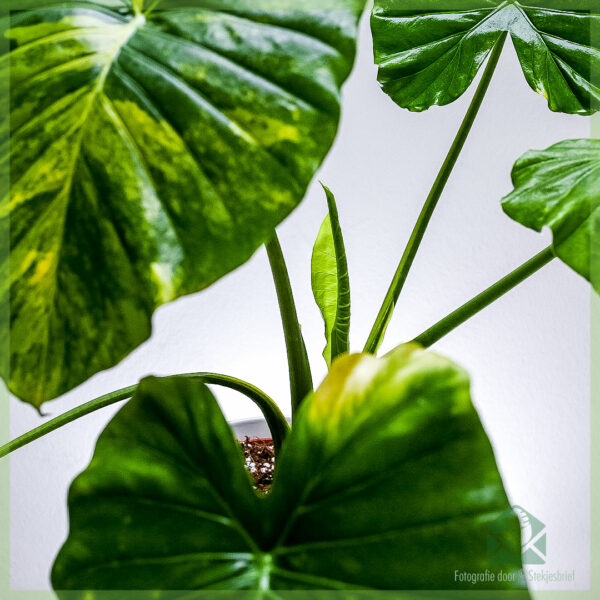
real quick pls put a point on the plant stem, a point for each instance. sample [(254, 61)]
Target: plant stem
[(391, 298), (66, 418), (301, 383), (275, 419), (278, 425), (465, 312)]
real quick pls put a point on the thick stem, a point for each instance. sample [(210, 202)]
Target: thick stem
[(275, 419), (387, 308), (465, 312), (301, 383)]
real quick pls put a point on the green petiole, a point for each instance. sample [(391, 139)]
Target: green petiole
[(487, 297), (391, 298), (276, 421)]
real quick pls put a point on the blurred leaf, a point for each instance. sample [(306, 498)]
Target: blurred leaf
[(386, 481)]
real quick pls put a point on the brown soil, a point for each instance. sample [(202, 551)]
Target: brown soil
[(260, 461)]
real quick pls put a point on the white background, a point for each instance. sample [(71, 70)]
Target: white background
[(528, 354)]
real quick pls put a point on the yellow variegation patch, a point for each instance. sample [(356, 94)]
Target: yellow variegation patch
[(153, 149)]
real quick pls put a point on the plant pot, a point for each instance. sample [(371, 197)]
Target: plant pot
[(251, 428)]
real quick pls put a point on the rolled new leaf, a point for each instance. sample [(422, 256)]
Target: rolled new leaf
[(429, 51), (331, 283), (154, 147), (559, 188), (386, 481)]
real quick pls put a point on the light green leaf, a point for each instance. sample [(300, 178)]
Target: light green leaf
[(559, 188), (150, 155), (429, 51), (387, 481), (331, 283)]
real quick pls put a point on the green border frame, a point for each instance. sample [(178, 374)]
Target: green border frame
[(4, 322), (594, 592)]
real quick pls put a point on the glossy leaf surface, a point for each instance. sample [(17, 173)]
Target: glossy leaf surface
[(331, 283), (559, 188), (386, 481), (429, 51), (153, 149)]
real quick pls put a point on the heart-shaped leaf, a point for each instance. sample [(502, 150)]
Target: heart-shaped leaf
[(151, 153), (387, 480), (560, 188), (429, 51), (331, 283)]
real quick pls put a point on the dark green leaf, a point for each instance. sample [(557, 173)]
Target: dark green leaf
[(386, 481), (429, 51), (151, 153), (331, 283), (560, 188)]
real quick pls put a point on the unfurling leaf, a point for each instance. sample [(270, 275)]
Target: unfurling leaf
[(386, 481), (151, 153), (559, 188), (331, 283), (429, 51)]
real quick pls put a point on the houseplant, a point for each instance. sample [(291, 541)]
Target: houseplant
[(346, 408)]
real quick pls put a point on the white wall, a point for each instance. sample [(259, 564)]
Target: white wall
[(528, 354)]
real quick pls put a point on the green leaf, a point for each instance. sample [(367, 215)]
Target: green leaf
[(151, 153), (386, 481), (559, 188), (429, 51), (331, 284)]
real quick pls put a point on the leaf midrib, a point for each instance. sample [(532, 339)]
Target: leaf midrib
[(112, 55)]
